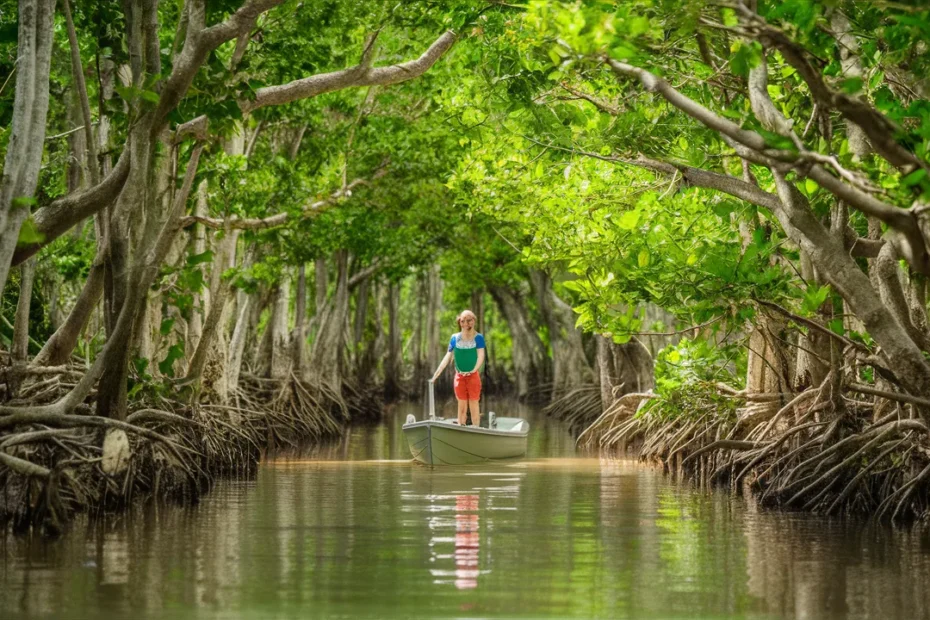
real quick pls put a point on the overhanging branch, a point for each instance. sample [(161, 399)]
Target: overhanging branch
[(359, 75)]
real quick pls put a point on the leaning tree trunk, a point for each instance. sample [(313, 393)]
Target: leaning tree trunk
[(208, 367), (27, 135), (58, 348), (531, 365)]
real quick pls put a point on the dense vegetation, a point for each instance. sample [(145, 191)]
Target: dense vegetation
[(695, 227)]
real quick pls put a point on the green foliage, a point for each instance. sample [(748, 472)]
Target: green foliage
[(691, 363), (690, 402)]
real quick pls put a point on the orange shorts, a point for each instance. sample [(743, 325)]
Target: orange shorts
[(467, 387)]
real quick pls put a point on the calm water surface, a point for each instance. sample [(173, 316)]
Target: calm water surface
[(355, 530)]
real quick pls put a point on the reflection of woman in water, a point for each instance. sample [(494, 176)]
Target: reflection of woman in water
[(466, 542), (467, 349)]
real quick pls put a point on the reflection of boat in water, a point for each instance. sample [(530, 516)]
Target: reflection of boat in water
[(437, 441)]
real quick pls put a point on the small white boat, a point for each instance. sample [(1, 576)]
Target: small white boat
[(436, 441)]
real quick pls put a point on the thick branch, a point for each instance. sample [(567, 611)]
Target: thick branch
[(52, 220), (692, 108), (198, 45), (356, 76), (880, 130)]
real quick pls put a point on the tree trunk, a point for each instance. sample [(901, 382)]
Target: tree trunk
[(371, 349), (623, 369), (433, 340), (813, 358), (569, 366), (531, 365), (280, 344), (201, 302), (419, 362), (361, 317), (767, 367), (20, 349), (208, 367), (299, 335), (326, 355), (392, 361), (27, 135), (77, 72), (477, 306)]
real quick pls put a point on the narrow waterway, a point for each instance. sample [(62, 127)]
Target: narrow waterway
[(355, 530)]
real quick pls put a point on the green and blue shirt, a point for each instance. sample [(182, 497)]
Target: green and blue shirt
[(465, 352)]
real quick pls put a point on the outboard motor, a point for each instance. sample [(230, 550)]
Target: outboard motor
[(410, 419), (492, 420)]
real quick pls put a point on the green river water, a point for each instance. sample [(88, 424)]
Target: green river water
[(356, 530)]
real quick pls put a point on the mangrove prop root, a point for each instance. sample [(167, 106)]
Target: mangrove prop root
[(177, 449), (820, 449)]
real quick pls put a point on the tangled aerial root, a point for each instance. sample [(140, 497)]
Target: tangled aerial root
[(812, 450), (52, 466)]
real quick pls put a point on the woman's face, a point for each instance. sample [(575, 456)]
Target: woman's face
[(467, 322)]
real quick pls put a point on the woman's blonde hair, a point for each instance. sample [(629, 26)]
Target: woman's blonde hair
[(462, 315)]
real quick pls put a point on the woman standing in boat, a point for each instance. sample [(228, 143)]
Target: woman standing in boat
[(466, 348)]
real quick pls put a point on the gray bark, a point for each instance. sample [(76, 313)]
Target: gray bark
[(299, 335), (623, 369), (392, 361), (27, 129), (201, 303), (280, 358), (77, 71), (208, 367), (19, 351), (326, 354), (569, 367), (433, 338), (237, 343), (531, 365)]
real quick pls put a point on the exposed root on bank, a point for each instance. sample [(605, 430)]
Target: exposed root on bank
[(811, 450), (52, 466)]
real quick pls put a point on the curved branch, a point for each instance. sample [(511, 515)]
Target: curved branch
[(359, 75), (880, 130), (53, 220), (197, 46)]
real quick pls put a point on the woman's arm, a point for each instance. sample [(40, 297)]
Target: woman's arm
[(442, 365), (480, 361)]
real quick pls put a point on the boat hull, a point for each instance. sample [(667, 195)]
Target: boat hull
[(437, 442)]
